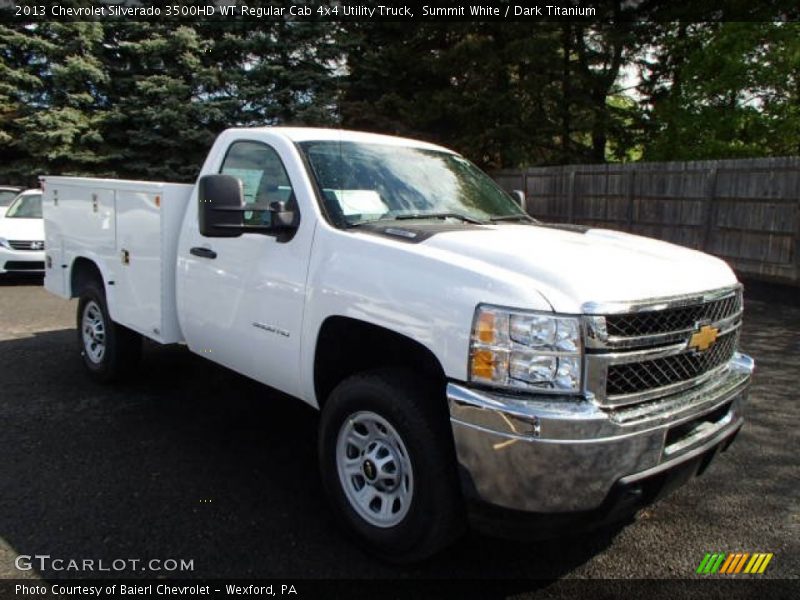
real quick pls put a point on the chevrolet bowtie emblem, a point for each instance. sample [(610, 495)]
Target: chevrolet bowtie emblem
[(703, 338)]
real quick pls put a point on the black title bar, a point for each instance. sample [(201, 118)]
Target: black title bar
[(30, 11)]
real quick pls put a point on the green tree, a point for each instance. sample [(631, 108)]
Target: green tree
[(174, 89), (504, 94), (145, 100), (52, 112), (157, 125), (18, 85), (483, 88), (722, 90)]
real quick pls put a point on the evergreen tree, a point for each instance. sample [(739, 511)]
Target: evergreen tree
[(504, 94), (52, 114), (157, 126), (174, 89), (18, 86), (145, 100), (483, 88)]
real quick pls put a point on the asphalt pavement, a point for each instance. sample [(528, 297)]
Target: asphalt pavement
[(189, 461)]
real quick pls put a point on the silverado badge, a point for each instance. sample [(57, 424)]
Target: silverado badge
[(703, 338)]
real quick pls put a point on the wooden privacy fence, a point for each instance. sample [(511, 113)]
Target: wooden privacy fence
[(744, 211)]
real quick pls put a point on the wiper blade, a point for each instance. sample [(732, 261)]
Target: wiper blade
[(360, 223), (440, 215), (519, 217)]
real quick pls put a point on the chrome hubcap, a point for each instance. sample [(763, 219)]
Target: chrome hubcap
[(374, 469), (93, 330)]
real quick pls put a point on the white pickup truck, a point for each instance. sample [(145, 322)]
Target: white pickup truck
[(467, 360)]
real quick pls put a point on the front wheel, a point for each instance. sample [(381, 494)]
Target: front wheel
[(388, 466), (109, 350)]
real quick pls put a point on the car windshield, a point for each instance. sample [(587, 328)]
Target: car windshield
[(26, 207), (362, 183), (6, 196)]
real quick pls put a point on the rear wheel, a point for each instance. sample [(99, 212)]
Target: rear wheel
[(388, 465), (109, 350)]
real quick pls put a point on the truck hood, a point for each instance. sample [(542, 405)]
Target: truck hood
[(22, 229), (571, 267)]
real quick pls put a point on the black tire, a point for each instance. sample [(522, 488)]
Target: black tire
[(434, 517), (122, 347)]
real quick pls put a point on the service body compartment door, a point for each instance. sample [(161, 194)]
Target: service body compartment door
[(79, 221), (55, 266), (138, 284)]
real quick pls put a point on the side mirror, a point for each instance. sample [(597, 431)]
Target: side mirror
[(221, 210), (220, 206), (282, 217), (519, 196)]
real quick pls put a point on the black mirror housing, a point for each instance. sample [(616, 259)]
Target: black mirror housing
[(282, 217), (220, 206), (221, 210)]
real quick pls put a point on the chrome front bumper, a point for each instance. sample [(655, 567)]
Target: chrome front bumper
[(538, 455)]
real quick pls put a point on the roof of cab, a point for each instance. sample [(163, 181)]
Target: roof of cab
[(311, 134)]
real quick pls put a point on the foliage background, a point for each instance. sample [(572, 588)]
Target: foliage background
[(146, 99)]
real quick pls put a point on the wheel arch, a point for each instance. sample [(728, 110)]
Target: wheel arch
[(346, 346), (82, 272)]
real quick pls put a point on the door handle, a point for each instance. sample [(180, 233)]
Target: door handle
[(203, 252)]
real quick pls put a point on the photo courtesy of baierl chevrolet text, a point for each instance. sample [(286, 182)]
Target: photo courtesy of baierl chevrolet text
[(319, 298), (188, 589)]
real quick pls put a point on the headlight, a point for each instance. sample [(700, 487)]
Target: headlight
[(526, 350), (4, 243)]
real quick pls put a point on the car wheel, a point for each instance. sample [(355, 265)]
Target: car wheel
[(109, 350), (388, 466)]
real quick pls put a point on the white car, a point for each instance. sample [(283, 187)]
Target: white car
[(22, 235)]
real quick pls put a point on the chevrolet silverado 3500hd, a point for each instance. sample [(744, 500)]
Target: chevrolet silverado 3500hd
[(467, 360)]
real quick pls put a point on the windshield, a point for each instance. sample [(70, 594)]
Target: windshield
[(369, 182), (26, 207), (6, 196)]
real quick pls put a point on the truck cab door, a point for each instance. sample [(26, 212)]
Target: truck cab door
[(241, 299)]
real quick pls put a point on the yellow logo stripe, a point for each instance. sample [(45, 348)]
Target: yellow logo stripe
[(758, 563), (756, 558), (752, 567), (764, 564)]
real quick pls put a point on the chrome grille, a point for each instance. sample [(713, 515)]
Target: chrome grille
[(637, 377), (26, 244), (639, 351), (672, 319)]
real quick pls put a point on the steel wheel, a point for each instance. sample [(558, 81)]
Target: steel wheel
[(93, 328), (374, 469)]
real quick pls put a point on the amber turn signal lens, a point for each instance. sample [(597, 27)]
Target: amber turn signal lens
[(485, 328), (483, 364)]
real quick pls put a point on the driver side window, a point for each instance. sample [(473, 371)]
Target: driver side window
[(263, 176)]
